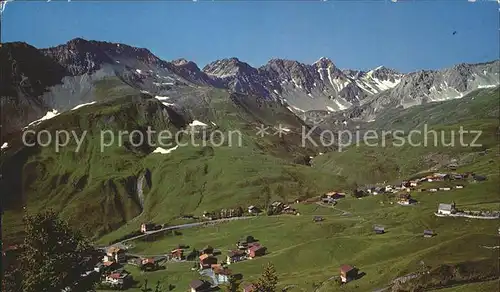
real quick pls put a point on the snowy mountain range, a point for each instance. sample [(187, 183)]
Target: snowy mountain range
[(38, 81)]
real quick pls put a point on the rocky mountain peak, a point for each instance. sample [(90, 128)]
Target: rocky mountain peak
[(354, 74), (78, 56), (324, 62), (384, 73), (322, 86), (189, 65), (180, 62), (228, 67), (81, 56)]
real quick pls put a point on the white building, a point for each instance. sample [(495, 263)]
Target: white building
[(446, 209)]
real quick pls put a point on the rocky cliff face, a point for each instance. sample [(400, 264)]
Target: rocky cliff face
[(304, 87), (26, 76)]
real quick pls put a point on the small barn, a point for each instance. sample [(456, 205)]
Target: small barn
[(428, 233), (199, 286), (348, 273), (379, 229), (235, 256), (256, 250)]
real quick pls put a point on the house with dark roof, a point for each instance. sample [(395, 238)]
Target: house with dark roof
[(348, 273), (253, 210), (379, 229), (428, 233), (335, 195), (199, 286), (236, 256), (206, 261), (146, 227)]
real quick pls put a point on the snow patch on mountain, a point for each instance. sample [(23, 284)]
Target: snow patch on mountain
[(294, 108), (49, 115), (163, 83), (165, 151), (339, 105), (162, 98), (82, 105), (197, 123), (487, 86)]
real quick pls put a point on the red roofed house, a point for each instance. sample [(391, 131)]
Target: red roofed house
[(118, 279), (256, 250), (110, 266), (335, 195), (177, 254), (348, 273), (148, 264)]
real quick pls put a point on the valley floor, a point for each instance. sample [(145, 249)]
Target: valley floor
[(308, 254)]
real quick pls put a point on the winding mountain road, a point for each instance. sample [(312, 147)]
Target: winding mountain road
[(182, 226)]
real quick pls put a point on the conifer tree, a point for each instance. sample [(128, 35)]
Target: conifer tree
[(54, 256), (268, 280)]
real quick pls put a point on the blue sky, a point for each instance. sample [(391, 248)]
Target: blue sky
[(354, 34)]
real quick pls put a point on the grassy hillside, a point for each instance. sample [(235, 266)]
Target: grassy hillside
[(98, 191), (377, 162), (190, 180), (479, 104), (308, 254)]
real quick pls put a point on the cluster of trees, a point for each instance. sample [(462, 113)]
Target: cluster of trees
[(225, 213), (52, 257)]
